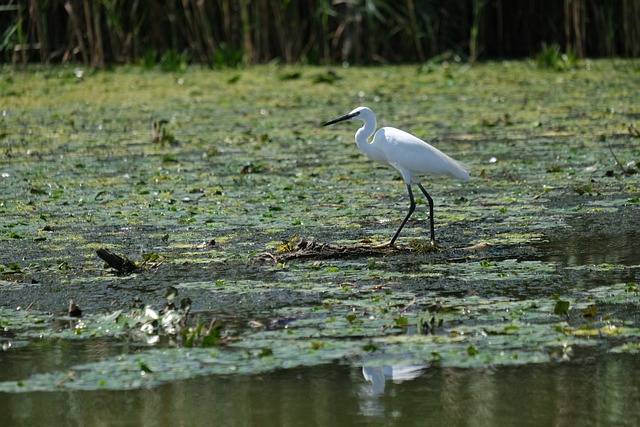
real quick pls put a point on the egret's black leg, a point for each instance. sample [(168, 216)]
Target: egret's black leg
[(433, 232), (412, 207)]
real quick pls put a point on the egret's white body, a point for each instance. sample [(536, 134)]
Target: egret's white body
[(379, 375), (411, 156)]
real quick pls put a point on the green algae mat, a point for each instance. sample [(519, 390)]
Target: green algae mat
[(250, 227)]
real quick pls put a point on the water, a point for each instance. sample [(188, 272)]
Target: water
[(592, 388), (592, 248), (594, 392)]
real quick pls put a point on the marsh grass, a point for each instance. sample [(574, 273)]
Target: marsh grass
[(230, 33), (551, 57)]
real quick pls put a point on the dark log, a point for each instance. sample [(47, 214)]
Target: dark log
[(122, 265)]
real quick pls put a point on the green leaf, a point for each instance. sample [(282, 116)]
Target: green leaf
[(144, 367), (265, 352), (561, 308), (401, 321)]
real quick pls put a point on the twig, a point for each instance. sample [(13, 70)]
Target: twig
[(624, 171)]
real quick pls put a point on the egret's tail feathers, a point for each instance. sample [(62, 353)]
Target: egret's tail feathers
[(458, 170)]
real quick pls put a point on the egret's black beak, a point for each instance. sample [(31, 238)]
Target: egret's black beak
[(342, 119)]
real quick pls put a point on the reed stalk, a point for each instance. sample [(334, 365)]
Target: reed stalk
[(218, 32)]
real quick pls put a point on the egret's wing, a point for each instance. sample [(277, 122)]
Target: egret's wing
[(406, 152)]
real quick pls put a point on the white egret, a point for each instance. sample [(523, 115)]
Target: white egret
[(411, 156)]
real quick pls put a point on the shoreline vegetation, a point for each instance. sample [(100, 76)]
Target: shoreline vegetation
[(232, 33)]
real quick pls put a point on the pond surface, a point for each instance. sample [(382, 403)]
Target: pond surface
[(600, 391), (257, 298), (592, 248)]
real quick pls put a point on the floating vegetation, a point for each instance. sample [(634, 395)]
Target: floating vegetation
[(539, 249), (360, 327)]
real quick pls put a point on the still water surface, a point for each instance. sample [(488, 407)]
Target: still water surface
[(600, 391)]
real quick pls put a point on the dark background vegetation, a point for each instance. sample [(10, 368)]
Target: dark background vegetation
[(221, 33)]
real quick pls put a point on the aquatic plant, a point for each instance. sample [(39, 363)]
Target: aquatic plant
[(228, 33)]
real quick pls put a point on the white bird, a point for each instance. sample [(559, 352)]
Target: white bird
[(411, 156)]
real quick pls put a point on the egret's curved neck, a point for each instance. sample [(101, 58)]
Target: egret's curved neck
[(364, 133)]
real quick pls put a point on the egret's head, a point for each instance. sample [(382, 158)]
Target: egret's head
[(360, 113)]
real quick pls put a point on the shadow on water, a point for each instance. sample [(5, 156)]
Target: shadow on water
[(597, 392)]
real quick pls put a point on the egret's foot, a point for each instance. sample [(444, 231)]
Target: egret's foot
[(384, 245)]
